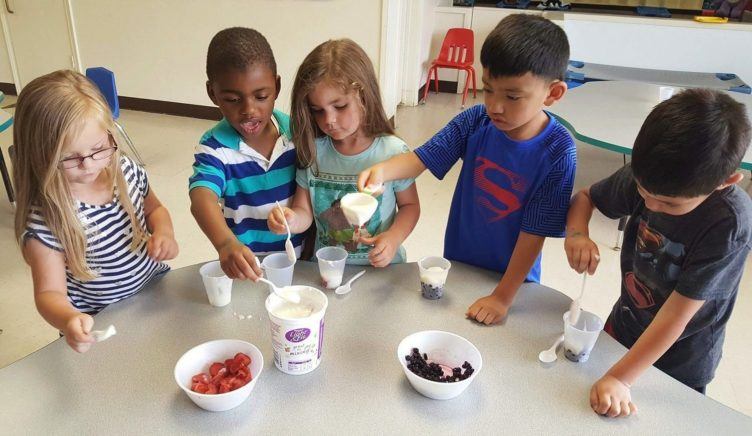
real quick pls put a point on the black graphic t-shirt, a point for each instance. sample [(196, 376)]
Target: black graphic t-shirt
[(700, 255)]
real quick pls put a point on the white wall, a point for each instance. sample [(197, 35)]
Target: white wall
[(6, 76), (419, 30), (158, 48)]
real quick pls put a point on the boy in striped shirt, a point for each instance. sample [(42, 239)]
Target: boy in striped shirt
[(246, 162)]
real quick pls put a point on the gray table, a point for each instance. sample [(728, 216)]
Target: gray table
[(609, 114), (125, 385)]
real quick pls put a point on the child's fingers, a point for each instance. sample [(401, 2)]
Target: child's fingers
[(367, 241), (625, 408), (632, 408), (472, 311), (576, 255), (584, 261), (254, 264), (594, 261), (593, 399), (615, 409), (604, 403), (363, 179)]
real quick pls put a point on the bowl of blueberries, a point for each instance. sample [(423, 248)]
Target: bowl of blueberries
[(438, 364)]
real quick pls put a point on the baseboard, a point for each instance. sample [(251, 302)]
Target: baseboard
[(444, 86), (8, 88), (170, 108)]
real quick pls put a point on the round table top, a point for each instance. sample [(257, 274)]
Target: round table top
[(126, 384), (609, 114)]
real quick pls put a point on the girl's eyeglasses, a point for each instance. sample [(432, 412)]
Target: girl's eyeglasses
[(75, 162)]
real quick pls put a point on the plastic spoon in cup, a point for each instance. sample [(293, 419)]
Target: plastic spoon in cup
[(292, 298), (574, 308), (346, 288), (549, 356), (103, 335), (289, 248)]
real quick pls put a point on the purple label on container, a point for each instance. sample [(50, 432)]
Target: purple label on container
[(298, 335)]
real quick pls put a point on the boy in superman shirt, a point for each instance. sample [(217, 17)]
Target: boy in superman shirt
[(518, 161)]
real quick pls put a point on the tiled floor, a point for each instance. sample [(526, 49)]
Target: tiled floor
[(166, 144)]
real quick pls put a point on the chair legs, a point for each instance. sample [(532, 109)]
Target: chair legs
[(130, 143), (434, 70)]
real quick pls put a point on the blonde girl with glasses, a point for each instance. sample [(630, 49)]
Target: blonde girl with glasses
[(88, 224)]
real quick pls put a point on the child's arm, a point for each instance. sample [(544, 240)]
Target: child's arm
[(50, 296), (493, 308), (386, 244), (236, 259), (401, 166), (162, 244), (582, 252), (610, 395), (299, 217), (438, 154)]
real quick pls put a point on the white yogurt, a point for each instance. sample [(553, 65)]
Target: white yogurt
[(435, 276), (358, 207)]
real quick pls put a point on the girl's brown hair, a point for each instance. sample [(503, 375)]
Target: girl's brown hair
[(342, 63), (50, 112)]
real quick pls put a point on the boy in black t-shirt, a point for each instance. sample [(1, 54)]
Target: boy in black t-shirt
[(687, 238)]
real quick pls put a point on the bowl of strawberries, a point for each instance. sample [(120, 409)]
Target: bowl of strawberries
[(219, 375)]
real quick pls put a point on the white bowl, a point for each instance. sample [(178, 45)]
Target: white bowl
[(444, 348), (199, 358)]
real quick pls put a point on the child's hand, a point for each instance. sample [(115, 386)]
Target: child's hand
[(162, 247), (610, 397), (385, 246), (238, 261), (373, 179), (77, 330), (582, 253), (488, 310), (276, 221)]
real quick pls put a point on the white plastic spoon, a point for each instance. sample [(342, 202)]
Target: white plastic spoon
[(574, 308), (289, 248), (103, 335), (549, 356), (346, 288), (292, 298)]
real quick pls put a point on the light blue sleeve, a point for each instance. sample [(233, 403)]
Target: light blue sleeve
[(301, 177)]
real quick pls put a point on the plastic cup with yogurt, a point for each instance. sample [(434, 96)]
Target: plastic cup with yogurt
[(331, 265), (358, 207), (579, 339), (218, 286), (297, 329), (433, 274)]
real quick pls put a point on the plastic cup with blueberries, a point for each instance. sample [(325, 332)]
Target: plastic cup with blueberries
[(433, 275)]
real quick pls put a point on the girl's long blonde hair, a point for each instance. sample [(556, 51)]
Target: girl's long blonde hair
[(50, 113), (342, 63)]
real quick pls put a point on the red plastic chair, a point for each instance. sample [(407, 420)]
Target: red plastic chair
[(456, 53)]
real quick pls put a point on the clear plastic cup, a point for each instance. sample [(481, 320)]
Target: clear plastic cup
[(278, 269), (579, 339), (665, 92), (331, 265), (218, 286), (433, 275)]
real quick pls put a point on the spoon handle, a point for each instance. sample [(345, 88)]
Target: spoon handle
[(355, 277)]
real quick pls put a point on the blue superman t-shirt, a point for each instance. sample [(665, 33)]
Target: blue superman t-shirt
[(505, 187)]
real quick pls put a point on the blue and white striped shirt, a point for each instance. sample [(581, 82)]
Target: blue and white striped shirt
[(248, 184), (121, 271)]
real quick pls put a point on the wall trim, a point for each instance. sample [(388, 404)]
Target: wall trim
[(444, 86), (170, 108)]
